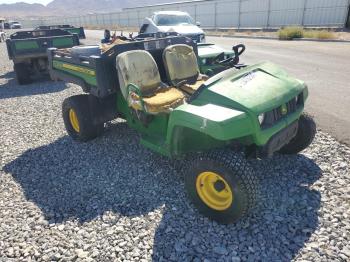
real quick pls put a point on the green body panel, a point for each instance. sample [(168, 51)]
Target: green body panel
[(153, 135), (26, 45), (211, 50), (228, 108), (60, 42), (226, 111), (84, 73), (207, 52), (256, 89)]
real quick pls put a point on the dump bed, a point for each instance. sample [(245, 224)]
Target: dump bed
[(32, 44), (71, 29), (96, 72)]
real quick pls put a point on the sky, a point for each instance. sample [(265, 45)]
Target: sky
[(44, 2)]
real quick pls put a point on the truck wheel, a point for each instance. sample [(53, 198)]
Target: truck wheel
[(304, 137), (222, 185), (78, 120), (22, 74)]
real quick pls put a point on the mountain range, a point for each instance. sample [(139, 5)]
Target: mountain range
[(69, 7)]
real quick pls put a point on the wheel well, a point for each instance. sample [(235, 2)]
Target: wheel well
[(185, 140), (103, 109)]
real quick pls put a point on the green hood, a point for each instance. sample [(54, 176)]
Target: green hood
[(257, 88)]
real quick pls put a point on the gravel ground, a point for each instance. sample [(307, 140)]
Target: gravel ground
[(112, 199)]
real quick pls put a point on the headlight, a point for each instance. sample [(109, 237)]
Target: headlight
[(261, 118)]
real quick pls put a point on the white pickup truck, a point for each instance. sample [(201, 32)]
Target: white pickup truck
[(173, 21)]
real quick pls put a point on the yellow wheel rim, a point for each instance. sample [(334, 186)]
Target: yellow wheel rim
[(214, 191), (74, 120)]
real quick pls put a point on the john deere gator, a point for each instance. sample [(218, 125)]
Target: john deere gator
[(211, 125)]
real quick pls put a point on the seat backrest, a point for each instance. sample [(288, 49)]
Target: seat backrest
[(181, 64), (138, 67)]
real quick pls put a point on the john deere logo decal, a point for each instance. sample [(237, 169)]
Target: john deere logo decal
[(284, 109)]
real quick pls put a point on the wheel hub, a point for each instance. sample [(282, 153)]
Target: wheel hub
[(73, 118), (214, 191), (219, 185)]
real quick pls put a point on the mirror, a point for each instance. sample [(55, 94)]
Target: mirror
[(198, 24)]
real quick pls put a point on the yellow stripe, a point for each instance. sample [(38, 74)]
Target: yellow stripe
[(79, 69)]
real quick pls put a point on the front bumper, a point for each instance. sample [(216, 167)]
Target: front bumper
[(278, 140)]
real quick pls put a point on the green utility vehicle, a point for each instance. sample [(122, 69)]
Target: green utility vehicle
[(208, 125), (69, 28), (28, 50)]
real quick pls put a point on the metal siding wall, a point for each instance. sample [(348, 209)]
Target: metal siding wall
[(325, 12), (225, 14), (189, 8), (286, 12), (254, 13), (205, 14)]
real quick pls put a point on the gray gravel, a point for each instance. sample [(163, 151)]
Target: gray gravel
[(112, 199)]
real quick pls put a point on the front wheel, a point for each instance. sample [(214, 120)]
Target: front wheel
[(222, 185), (78, 119), (304, 137)]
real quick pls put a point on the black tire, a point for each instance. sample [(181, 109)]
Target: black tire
[(238, 175), (304, 137), (22, 74), (87, 129)]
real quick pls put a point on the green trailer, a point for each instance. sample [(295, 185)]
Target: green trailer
[(208, 125), (28, 51)]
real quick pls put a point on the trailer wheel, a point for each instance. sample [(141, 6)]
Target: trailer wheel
[(78, 119), (222, 185), (304, 137), (22, 74)]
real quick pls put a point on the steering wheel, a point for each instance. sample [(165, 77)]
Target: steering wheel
[(238, 49)]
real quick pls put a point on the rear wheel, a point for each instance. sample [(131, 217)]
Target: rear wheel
[(22, 74), (304, 137), (78, 119), (222, 185)]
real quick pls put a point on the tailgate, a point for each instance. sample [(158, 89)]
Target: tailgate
[(37, 46)]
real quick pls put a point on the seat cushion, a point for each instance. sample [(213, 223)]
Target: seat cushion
[(162, 101), (191, 88), (139, 68), (180, 64)]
